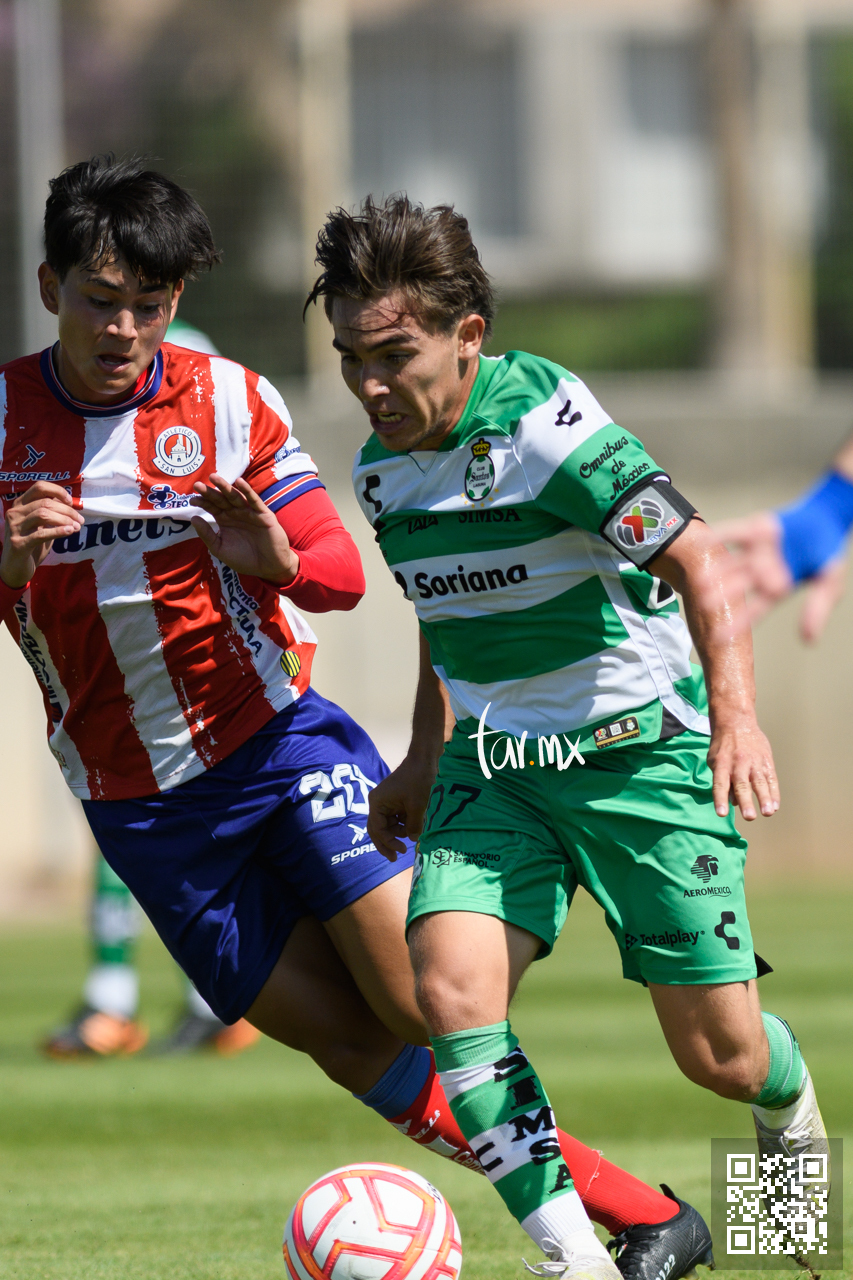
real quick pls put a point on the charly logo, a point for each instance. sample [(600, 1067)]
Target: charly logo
[(480, 473), (177, 451), (727, 917)]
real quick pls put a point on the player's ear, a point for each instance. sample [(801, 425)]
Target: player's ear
[(176, 297), (49, 288), (470, 335)]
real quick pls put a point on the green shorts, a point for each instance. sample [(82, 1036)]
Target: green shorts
[(635, 825)]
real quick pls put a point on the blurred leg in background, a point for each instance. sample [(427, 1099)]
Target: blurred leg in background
[(105, 1023)]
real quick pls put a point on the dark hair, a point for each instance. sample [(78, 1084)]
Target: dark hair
[(427, 254), (105, 208)]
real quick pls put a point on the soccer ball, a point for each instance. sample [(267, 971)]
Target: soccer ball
[(372, 1222)]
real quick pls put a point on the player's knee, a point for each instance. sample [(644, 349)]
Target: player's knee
[(734, 1075), (445, 1000)]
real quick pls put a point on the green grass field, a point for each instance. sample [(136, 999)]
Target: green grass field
[(184, 1169)]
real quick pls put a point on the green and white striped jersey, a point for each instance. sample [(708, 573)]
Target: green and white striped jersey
[(520, 541)]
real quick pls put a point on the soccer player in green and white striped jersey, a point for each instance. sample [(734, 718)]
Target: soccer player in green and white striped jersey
[(542, 548)]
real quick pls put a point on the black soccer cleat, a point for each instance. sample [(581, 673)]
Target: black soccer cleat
[(664, 1250)]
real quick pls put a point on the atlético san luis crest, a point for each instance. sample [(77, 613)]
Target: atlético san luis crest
[(177, 451), (480, 473)]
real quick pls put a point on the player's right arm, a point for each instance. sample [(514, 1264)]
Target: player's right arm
[(398, 803), (38, 516), (775, 551)]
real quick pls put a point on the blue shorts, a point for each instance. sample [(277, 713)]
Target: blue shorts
[(225, 864)]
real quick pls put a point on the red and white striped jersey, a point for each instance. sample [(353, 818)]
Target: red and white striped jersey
[(155, 659)]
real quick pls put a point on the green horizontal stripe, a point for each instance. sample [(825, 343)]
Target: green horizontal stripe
[(411, 535), (527, 642), (488, 1105), (588, 498), (532, 1185)]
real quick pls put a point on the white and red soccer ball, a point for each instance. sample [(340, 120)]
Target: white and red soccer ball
[(372, 1222)]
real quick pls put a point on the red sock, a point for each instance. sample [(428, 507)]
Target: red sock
[(611, 1196), (429, 1122)]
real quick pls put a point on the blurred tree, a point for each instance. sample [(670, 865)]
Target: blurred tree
[(209, 94), (834, 270), (8, 193)]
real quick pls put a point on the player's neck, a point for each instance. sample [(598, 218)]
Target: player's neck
[(457, 410), (74, 386)]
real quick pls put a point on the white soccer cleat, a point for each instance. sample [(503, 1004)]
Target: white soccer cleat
[(801, 1133), (578, 1263), (577, 1267)]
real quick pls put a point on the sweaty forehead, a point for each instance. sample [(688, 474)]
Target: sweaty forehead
[(356, 321)]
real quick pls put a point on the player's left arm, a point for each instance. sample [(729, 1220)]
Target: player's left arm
[(740, 755)]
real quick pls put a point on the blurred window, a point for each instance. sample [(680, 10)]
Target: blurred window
[(435, 114), (666, 87)]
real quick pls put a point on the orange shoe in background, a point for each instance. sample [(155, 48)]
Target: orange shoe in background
[(92, 1033), (194, 1033)]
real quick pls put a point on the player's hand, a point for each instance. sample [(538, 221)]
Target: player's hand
[(758, 569), (398, 805), (250, 539), (33, 521), (742, 763)]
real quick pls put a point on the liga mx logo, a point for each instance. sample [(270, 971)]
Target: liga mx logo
[(177, 451), (635, 526)]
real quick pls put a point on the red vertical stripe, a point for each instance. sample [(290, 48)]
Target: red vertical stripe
[(221, 694), (34, 417), (99, 721)]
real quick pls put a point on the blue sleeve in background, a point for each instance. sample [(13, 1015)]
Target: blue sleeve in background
[(815, 526)]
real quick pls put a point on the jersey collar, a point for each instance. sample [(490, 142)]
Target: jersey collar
[(146, 392)]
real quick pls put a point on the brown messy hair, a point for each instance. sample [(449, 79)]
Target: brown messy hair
[(427, 254)]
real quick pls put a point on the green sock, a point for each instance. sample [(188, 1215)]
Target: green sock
[(112, 984), (499, 1104), (787, 1068), (114, 918)]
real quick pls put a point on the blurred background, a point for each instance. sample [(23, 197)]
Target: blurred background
[(662, 191)]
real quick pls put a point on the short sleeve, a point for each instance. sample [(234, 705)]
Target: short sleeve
[(590, 472), (278, 469)]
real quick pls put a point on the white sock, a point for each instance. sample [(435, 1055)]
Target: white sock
[(198, 1005), (584, 1244), (784, 1117), (113, 988), (564, 1219)]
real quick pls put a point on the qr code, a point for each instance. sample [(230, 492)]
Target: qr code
[(777, 1204)]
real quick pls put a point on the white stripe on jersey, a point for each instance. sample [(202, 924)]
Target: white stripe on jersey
[(542, 443), (662, 642), (273, 400), (233, 420), (35, 650), (110, 465), (603, 686), (553, 565), (127, 607)]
